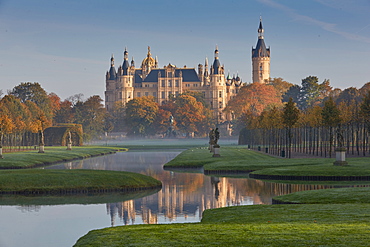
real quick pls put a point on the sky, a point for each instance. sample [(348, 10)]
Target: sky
[(66, 45)]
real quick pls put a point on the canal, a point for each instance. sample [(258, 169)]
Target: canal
[(60, 221)]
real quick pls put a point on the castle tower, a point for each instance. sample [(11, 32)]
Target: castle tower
[(110, 85), (260, 59), (218, 88)]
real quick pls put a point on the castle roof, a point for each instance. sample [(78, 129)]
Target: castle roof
[(188, 75), (261, 50)]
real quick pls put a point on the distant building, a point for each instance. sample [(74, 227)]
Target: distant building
[(260, 59), (129, 82)]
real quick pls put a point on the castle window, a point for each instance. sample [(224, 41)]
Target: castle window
[(176, 83), (146, 85), (129, 95), (163, 83), (220, 104), (155, 94), (261, 66), (177, 93), (211, 103), (146, 93), (187, 85), (138, 94), (163, 95), (169, 74), (220, 94), (204, 94), (170, 83)]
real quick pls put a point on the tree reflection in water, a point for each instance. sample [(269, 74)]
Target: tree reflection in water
[(184, 196)]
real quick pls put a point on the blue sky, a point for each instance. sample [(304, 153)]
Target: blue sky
[(66, 45)]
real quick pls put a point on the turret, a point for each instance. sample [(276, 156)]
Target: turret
[(112, 70), (260, 58), (125, 64), (216, 63)]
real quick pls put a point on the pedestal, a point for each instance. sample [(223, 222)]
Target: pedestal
[(1, 153), (216, 151), (41, 149), (340, 157), (69, 146)]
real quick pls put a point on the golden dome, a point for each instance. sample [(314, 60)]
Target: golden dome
[(148, 61)]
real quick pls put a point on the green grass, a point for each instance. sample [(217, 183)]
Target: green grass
[(339, 220), (333, 217), (90, 198), (70, 181), (29, 159), (246, 234), (240, 159), (328, 196)]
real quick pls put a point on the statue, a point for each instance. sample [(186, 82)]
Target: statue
[(217, 136), (171, 131), (69, 141), (340, 138), (211, 136)]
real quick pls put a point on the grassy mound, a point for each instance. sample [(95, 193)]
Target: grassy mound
[(39, 181)]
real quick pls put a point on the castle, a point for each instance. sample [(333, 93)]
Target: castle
[(129, 82)]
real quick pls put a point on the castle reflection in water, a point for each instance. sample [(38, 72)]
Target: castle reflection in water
[(184, 196), (195, 194)]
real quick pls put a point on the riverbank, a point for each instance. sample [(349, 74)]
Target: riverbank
[(328, 221), (51, 182), (52, 155), (239, 159)]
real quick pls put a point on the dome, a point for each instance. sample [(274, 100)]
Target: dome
[(148, 61)]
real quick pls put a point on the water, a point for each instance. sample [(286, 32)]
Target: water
[(183, 198)]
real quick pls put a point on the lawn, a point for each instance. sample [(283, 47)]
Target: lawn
[(41, 181), (30, 159)]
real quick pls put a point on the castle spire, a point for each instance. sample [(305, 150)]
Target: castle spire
[(260, 29)]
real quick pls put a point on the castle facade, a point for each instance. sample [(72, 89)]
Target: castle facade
[(129, 82)]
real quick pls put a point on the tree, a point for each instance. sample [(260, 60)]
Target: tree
[(140, 114), (331, 118), (91, 114), (253, 97), (35, 93), (189, 114), (6, 125), (312, 93), (280, 85), (65, 113), (290, 118)]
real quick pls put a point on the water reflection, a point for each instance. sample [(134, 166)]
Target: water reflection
[(184, 196)]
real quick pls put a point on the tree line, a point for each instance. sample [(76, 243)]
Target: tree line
[(27, 110), (310, 118)]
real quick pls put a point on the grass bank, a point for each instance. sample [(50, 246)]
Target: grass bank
[(239, 159), (40, 181), (31, 159), (337, 221)]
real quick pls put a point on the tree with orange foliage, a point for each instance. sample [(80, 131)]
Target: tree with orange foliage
[(254, 98), (140, 114), (6, 125), (189, 114)]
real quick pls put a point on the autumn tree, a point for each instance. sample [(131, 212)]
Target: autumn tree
[(6, 125), (280, 85), (189, 114), (290, 118), (65, 113), (140, 113), (253, 97)]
